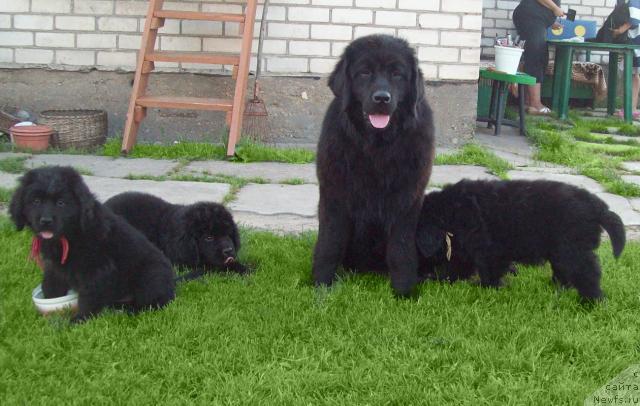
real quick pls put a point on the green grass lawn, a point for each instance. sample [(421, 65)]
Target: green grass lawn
[(246, 151), (604, 125), (596, 156), (584, 134), (474, 154), (271, 338), (13, 164), (5, 194)]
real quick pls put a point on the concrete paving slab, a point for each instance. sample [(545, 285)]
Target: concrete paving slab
[(631, 166), (311, 146), (635, 179), (624, 137), (597, 112), (445, 150), (631, 179), (104, 166), (549, 169), (280, 224), (446, 174), (633, 233), (171, 191), (622, 207), (4, 155), (273, 172), (8, 180), (635, 203), (514, 159), (508, 141), (577, 180), (299, 200)]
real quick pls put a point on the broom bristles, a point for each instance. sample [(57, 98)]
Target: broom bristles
[(256, 123)]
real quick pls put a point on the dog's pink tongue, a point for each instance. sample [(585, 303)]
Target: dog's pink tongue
[(46, 235), (379, 120)]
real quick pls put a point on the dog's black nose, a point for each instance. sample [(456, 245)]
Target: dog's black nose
[(229, 251), (382, 96), (46, 221)]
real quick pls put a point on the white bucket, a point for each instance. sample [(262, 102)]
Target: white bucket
[(508, 59)]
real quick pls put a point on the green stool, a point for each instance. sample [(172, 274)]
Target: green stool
[(499, 86)]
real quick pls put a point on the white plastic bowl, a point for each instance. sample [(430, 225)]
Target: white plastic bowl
[(56, 304)]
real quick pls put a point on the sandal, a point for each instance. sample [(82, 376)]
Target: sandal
[(636, 114), (543, 111), (513, 89)]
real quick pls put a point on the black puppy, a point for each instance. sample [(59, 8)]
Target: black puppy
[(201, 236), (84, 246), (374, 161), (494, 223)]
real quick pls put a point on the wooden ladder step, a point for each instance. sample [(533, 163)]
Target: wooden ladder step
[(139, 102), (194, 15), (185, 103), (193, 57)]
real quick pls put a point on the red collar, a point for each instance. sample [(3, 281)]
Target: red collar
[(36, 244)]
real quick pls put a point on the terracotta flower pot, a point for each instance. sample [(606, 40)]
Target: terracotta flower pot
[(33, 137)]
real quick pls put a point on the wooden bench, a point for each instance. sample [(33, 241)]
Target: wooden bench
[(499, 90)]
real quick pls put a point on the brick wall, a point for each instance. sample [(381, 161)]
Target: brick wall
[(303, 36), (497, 16)]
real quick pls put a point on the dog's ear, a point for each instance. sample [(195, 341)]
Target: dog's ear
[(467, 212), (468, 216), (186, 250), (416, 91), (189, 229), (16, 207), (235, 235), (340, 82), (429, 239), (197, 217), (90, 218)]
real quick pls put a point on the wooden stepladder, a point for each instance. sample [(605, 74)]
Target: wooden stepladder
[(147, 55)]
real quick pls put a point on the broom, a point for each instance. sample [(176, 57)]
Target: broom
[(256, 123)]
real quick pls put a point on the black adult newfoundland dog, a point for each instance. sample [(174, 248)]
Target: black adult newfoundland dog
[(374, 161), (486, 225), (201, 236), (84, 246)]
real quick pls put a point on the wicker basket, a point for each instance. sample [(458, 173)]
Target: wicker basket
[(7, 119), (79, 129)]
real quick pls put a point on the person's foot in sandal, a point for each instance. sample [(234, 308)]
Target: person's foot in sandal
[(539, 111), (636, 114), (513, 89)]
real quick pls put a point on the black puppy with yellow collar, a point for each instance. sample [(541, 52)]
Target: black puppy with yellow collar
[(490, 224)]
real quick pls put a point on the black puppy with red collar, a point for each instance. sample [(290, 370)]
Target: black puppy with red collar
[(86, 247)]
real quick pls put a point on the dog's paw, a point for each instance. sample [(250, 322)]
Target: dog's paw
[(493, 283), (408, 295), (79, 318), (405, 290), (589, 304), (241, 269)]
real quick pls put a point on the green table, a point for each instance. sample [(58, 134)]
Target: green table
[(562, 74), (499, 93)]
